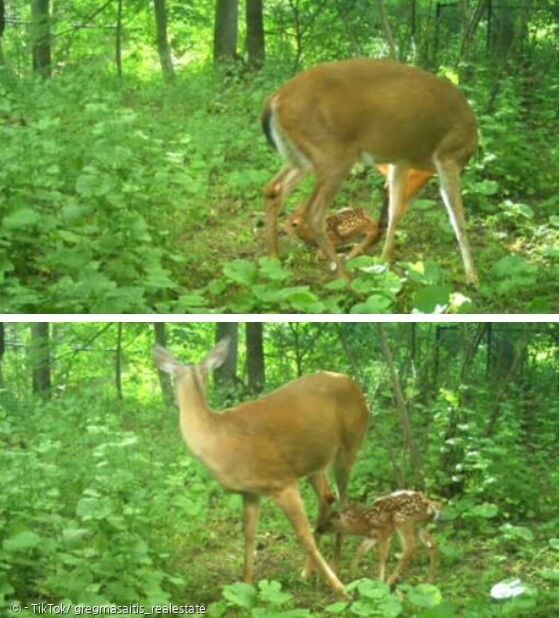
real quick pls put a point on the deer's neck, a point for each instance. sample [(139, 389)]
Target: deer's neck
[(196, 419)]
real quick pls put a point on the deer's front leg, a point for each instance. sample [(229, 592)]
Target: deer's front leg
[(431, 546), (289, 500), (250, 522), (275, 193), (406, 533), (363, 548)]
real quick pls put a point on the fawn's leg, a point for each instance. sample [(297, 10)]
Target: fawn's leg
[(431, 546), (363, 548), (384, 541), (406, 532)]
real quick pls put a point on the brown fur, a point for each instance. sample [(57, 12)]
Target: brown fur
[(263, 447), (404, 512), (343, 227), (330, 116)]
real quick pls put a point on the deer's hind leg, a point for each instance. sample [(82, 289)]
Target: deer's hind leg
[(275, 193), (250, 522)]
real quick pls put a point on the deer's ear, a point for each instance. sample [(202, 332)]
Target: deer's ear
[(217, 356), (164, 361)]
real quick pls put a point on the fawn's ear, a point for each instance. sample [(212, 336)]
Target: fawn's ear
[(217, 356), (164, 361)]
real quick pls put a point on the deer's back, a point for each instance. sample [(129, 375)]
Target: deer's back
[(292, 432), (388, 110)]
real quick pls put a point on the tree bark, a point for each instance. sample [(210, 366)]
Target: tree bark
[(255, 33), (401, 408), (413, 21), (504, 35), (2, 28), (162, 41), (40, 37), (118, 42), (225, 31), (387, 30), (2, 346), (164, 379), (118, 361), (40, 359), (226, 375), (255, 357)]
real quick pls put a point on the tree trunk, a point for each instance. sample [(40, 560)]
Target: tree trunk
[(226, 375), (504, 31), (162, 42), (413, 21), (471, 23), (40, 359), (118, 361), (401, 408), (164, 379), (387, 30), (255, 357), (255, 33), (40, 37), (225, 31), (2, 346), (2, 28), (118, 43), (503, 352)]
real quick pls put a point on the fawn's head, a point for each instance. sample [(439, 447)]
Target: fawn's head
[(434, 510), (346, 520)]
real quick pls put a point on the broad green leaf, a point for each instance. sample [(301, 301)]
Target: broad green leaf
[(427, 272), (336, 608), (485, 187), (240, 594), (22, 541), (485, 510), (241, 271), (21, 218), (376, 303), (432, 299), (272, 269), (271, 592), (513, 265), (424, 595), (92, 508)]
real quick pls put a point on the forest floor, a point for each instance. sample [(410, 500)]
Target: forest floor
[(469, 565)]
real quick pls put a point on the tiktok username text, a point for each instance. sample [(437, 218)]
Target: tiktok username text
[(67, 609)]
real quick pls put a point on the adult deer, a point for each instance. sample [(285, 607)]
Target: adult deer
[(263, 447), (384, 112), (404, 512)]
